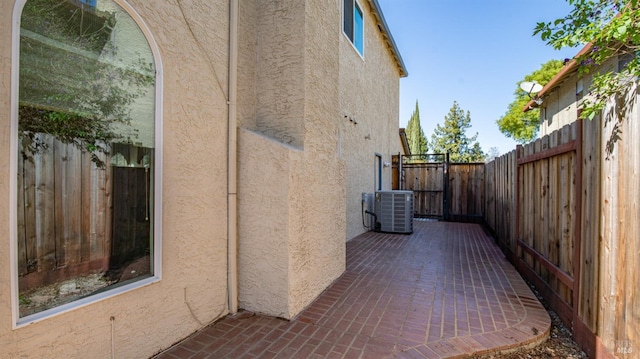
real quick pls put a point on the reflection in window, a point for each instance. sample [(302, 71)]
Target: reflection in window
[(86, 152)]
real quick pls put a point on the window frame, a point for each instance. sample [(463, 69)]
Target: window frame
[(350, 29), (18, 322)]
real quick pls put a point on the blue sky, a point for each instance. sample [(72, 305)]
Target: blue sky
[(470, 51)]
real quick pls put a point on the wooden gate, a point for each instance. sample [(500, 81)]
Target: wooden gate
[(426, 176), (465, 192)]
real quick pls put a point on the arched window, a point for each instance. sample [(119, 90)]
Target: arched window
[(87, 188)]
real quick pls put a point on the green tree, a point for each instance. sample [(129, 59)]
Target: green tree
[(613, 28), (523, 126), (415, 136), (452, 137)]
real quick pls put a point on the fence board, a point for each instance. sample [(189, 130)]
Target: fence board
[(85, 198), (555, 198), (510, 197), (45, 207), (30, 240), (22, 220), (545, 221), (566, 210), (99, 237)]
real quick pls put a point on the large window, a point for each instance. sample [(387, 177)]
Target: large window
[(353, 24), (87, 158)]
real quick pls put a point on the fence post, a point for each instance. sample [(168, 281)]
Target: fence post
[(516, 199), (577, 230), (400, 174), (446, 194)]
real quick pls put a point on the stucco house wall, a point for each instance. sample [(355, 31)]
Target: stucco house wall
[(302, 165), (303, 160), (193, 43), (369, 94), (291, 181)]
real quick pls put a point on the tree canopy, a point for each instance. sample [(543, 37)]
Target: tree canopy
[(523, 126), (612, 27), (451, 137), (415, 135)]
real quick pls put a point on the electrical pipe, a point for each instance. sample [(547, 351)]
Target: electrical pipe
[(232, 163)]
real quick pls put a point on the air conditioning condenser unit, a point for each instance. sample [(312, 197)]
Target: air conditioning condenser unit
[(394, 211)]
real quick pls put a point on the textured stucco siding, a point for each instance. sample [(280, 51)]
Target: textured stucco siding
[(292, 223), (192, 291), (369, 94), (280, 68), (247, 66), (318, 254), (302, 167), (264, 222)]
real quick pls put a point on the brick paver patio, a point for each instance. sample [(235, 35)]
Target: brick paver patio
[(444, 291)]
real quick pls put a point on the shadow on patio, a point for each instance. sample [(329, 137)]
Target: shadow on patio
[(444, 291)]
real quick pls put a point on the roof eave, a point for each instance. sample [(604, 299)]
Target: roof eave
[(565, 72), (386, 33)]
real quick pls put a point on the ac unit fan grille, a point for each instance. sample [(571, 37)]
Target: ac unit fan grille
[(394, 211)]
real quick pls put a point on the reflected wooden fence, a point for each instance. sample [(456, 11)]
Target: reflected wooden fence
[(75, 218), (64, 221)]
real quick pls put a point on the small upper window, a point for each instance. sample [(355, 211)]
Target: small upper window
[(579, 89), (354, 24)]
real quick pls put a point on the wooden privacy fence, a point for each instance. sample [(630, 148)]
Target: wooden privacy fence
[(63, 225), (548, 217), (500, 203), (443, 190), (565, 209), (75, 218)]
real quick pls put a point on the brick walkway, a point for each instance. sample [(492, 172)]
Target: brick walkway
[(445, 291)]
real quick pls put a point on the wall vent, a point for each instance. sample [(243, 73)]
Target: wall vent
[(394, 211)]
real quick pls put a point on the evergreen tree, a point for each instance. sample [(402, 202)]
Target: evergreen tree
[(452, 138), (415, 135)]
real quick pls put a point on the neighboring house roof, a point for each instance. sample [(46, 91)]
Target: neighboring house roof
[(405, 142), (569, 69), (386, 33)]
